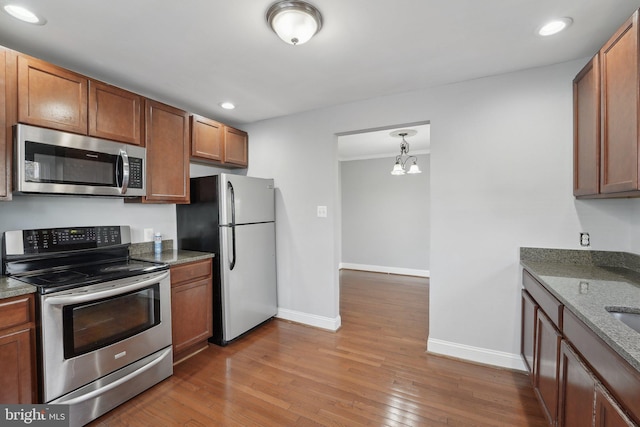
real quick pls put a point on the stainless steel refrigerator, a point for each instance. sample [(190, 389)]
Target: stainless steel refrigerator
[(233, 216)]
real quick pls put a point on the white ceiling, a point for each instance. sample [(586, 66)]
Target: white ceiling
[(379, 143), (194, 54)]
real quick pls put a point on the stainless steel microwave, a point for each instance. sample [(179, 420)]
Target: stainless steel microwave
[(54, 162)]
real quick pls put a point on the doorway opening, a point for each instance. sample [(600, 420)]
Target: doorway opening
[(384, 218)]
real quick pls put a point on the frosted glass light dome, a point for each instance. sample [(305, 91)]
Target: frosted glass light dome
[(295, 22)]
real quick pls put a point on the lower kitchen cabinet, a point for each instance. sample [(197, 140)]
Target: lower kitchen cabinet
[(577, 390), (17, 352), (608, 412), (546, 365), (527, 345), (191, 308), (583, 399), (578, 379)]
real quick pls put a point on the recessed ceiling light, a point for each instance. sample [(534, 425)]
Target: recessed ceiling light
[(24, 14), (555, 26), (227, 105)]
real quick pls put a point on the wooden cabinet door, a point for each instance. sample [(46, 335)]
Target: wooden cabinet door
[(114, 113), (207, 139), (191, 307), (5, 139), (236, 145), (167, 141), (619, 65), (608, 412), (527, 344), (577, 390), (586, 130), (51, 96), (16, 376), (546, 366)]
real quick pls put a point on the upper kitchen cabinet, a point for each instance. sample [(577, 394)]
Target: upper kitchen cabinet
[(236, 145), (51, 96), (114, 113), (5, 133), (207, 140), (606, 94), (586, 130), (216, 143), (619, 62), (167, 141)]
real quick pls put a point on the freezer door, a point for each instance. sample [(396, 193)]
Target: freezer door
[(249, 289), (246, 200)]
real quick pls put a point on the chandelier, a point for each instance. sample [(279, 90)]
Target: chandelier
[(404, 157)]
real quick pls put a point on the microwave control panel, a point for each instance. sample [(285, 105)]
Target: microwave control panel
[(135, 172)]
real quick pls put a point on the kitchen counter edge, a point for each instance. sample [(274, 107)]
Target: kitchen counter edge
[(175, 256)]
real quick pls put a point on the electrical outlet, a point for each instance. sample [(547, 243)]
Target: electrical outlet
[(322, 211), (585, 240)]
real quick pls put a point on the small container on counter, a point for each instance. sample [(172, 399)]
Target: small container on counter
[(157, 243)]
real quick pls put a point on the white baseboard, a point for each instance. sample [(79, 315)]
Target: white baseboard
[(383, 269), (310, 319), (476, 354)]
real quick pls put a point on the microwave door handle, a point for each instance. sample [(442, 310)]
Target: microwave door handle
[(125, 170)]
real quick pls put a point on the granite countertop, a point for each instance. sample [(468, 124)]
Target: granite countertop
[(589, 282), (144, 251), (174, 257), (12, 288)]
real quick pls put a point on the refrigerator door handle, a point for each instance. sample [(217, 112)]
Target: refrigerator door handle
[(232, 194)]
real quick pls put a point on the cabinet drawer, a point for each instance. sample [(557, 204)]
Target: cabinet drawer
[(15, 311), (615, 373), (187, 272), (547, 302)]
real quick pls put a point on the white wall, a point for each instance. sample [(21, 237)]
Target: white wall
[(385, 218), (35, 211), (501, 178)]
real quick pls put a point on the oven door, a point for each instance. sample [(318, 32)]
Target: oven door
[(91, 331)]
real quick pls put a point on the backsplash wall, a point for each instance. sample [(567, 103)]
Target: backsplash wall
[(26, 211)]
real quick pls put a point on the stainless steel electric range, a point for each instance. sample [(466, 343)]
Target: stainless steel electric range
[(104, 319)]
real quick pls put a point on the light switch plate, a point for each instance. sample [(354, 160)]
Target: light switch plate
[(322, 211)]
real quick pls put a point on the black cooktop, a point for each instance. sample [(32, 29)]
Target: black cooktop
[(69, 277), (57, 259)]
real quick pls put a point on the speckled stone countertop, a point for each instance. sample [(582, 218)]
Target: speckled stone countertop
[(144, 251), (589, 282), (12, 288)]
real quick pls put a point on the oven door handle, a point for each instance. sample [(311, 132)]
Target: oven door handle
[(76, 298), (116, 383)]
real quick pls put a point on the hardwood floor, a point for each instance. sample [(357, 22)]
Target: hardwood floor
[(373, 371)]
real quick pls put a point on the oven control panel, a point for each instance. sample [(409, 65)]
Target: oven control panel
[(46, 240)]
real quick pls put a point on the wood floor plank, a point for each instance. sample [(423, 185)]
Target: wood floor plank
[(374, 371)]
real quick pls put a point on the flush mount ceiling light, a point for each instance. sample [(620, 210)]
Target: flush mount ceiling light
[(24, 15), (555, 26), (295, 22), (404, 157)]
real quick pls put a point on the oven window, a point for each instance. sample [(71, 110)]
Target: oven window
[(90, 326)]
